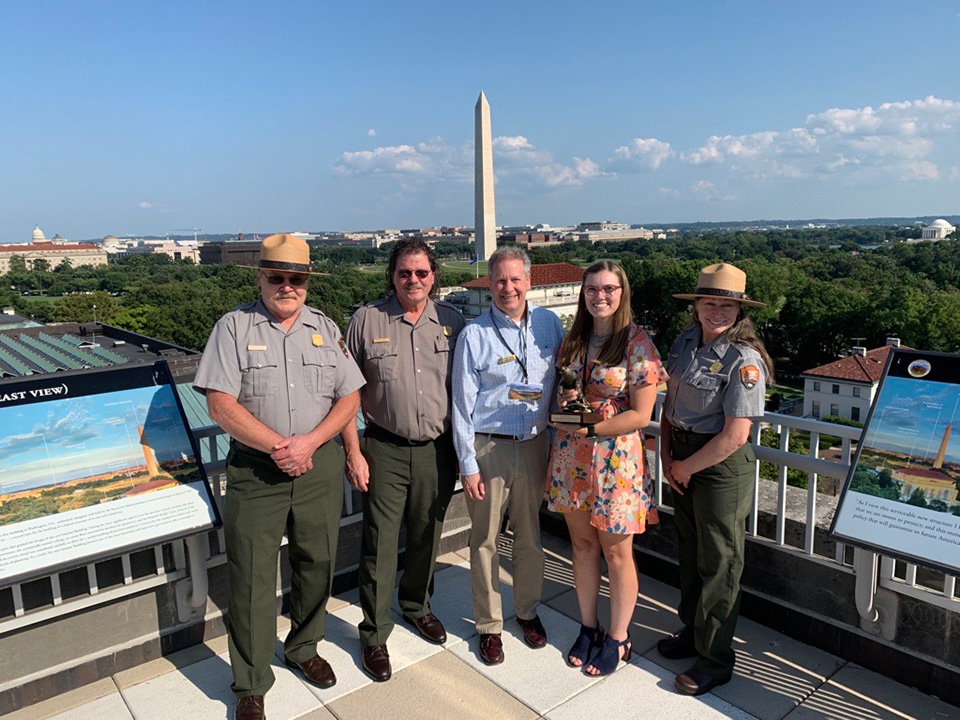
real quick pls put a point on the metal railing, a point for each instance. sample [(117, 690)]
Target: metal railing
[(169, 563)]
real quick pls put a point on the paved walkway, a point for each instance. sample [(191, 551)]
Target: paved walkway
[(776, 677)]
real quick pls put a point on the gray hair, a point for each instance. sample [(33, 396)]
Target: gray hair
[(506, 254)]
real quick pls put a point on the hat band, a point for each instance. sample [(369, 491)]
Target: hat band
[(721, 293), (281, 265)]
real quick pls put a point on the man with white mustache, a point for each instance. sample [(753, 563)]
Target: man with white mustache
[(503, 381)]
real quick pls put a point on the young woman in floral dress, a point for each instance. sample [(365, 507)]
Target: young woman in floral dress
[(597, 477)]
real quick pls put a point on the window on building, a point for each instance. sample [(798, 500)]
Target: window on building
[(816, 386), (834, 409), (855, 414), (856, 392), (835, 389), (815, 410)]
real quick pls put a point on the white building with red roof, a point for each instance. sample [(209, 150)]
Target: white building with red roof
[(555, 286), (846, 387), (52, 251)]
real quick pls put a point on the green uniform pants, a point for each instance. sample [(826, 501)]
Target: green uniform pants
[(261, 503), (409, 484), (710, 520)]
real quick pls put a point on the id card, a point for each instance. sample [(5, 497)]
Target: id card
[(525, 393)]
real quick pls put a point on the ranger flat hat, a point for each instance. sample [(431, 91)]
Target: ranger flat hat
[(286, 253), (721, 281)]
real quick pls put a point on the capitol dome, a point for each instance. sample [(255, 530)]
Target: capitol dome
[(941, 223), (38, 236)]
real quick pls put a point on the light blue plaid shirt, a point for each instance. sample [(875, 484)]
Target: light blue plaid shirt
[(481, 382)]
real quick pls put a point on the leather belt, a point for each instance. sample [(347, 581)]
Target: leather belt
[(514, 438), (690, 437), (379, 433)]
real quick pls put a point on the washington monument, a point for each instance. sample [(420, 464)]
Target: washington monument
[(485, 218)]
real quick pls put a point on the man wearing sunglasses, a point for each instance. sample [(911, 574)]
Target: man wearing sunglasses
[(405, 464), (279, 380)]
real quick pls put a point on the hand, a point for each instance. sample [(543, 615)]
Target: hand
[(294, 455), (473, 486), (680, 474), (578, 430), (667, 464), (358, 471)]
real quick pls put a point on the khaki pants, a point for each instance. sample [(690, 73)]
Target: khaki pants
[(514, 475)]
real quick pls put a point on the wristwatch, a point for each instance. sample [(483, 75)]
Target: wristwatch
[(591, 430)]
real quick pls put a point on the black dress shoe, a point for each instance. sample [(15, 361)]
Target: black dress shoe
[(533, 633), (696, 682), (316, 671), (678, 647), (429, 627), (250, 708), (491, 648), (376, 663)]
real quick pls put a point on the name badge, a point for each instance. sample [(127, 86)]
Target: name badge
[(318, 340), (256, 347), (507, 359), (381, 340), (716, 367)]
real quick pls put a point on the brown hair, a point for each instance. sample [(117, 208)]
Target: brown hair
[(743, 332), (578, 339), (412, 246)]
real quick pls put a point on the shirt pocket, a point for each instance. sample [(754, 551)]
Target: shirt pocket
[(259, 376), (701, 393), (443, 354), (320, 370), (382, 362)]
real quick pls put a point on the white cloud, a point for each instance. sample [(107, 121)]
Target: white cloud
[(954, 172), (895, 138), (669, 192), (641, 154), (144, 204), (514, 157), (371, 133), (709, 192)]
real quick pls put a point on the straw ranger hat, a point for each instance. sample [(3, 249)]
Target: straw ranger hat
[(286, 253), (721, 281)]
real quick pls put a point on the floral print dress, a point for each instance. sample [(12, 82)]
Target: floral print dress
[(606, 475)]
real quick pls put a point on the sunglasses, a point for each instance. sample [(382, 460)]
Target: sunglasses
[(294, 280), (421, 274)]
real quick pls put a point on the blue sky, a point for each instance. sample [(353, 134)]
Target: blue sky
[(65, 439), (912, 415), (137, 117)]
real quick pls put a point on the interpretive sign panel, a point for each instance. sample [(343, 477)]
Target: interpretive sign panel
[(95, 465), (901, 495)]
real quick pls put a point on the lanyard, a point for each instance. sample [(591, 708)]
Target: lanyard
[(523, 341)]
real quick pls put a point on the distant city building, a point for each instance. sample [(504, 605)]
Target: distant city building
[(602, 226), (175, 249), (845, 387), (622, 235), (531, 239), (53, 253), (219, 253), (937, 230), (555, 286)]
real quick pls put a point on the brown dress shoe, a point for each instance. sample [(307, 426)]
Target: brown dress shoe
[(316, 671), (533, 633), (376, 663), (491, 648), (696, 682), (250, 708), (430, 628)]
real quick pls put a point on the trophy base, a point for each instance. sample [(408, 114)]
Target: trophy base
[(576, 418)]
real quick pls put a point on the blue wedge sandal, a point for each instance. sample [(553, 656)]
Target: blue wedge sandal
[(608, 658), (588, 639)]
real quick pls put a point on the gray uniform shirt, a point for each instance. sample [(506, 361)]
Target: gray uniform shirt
[(286, 380), (407, 367), (713, 382)]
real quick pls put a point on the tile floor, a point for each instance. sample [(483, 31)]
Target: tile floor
[(776, 677)]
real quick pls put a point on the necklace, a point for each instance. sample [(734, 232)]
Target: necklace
[(598, 341)]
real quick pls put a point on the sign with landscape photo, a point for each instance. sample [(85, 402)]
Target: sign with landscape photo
[(93, 465), (902, 495)]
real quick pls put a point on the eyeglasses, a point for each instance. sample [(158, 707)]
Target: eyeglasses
[(294, 280), (608, 290), (421, 274)]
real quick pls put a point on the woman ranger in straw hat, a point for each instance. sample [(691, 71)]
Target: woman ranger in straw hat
[(718, 369)]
